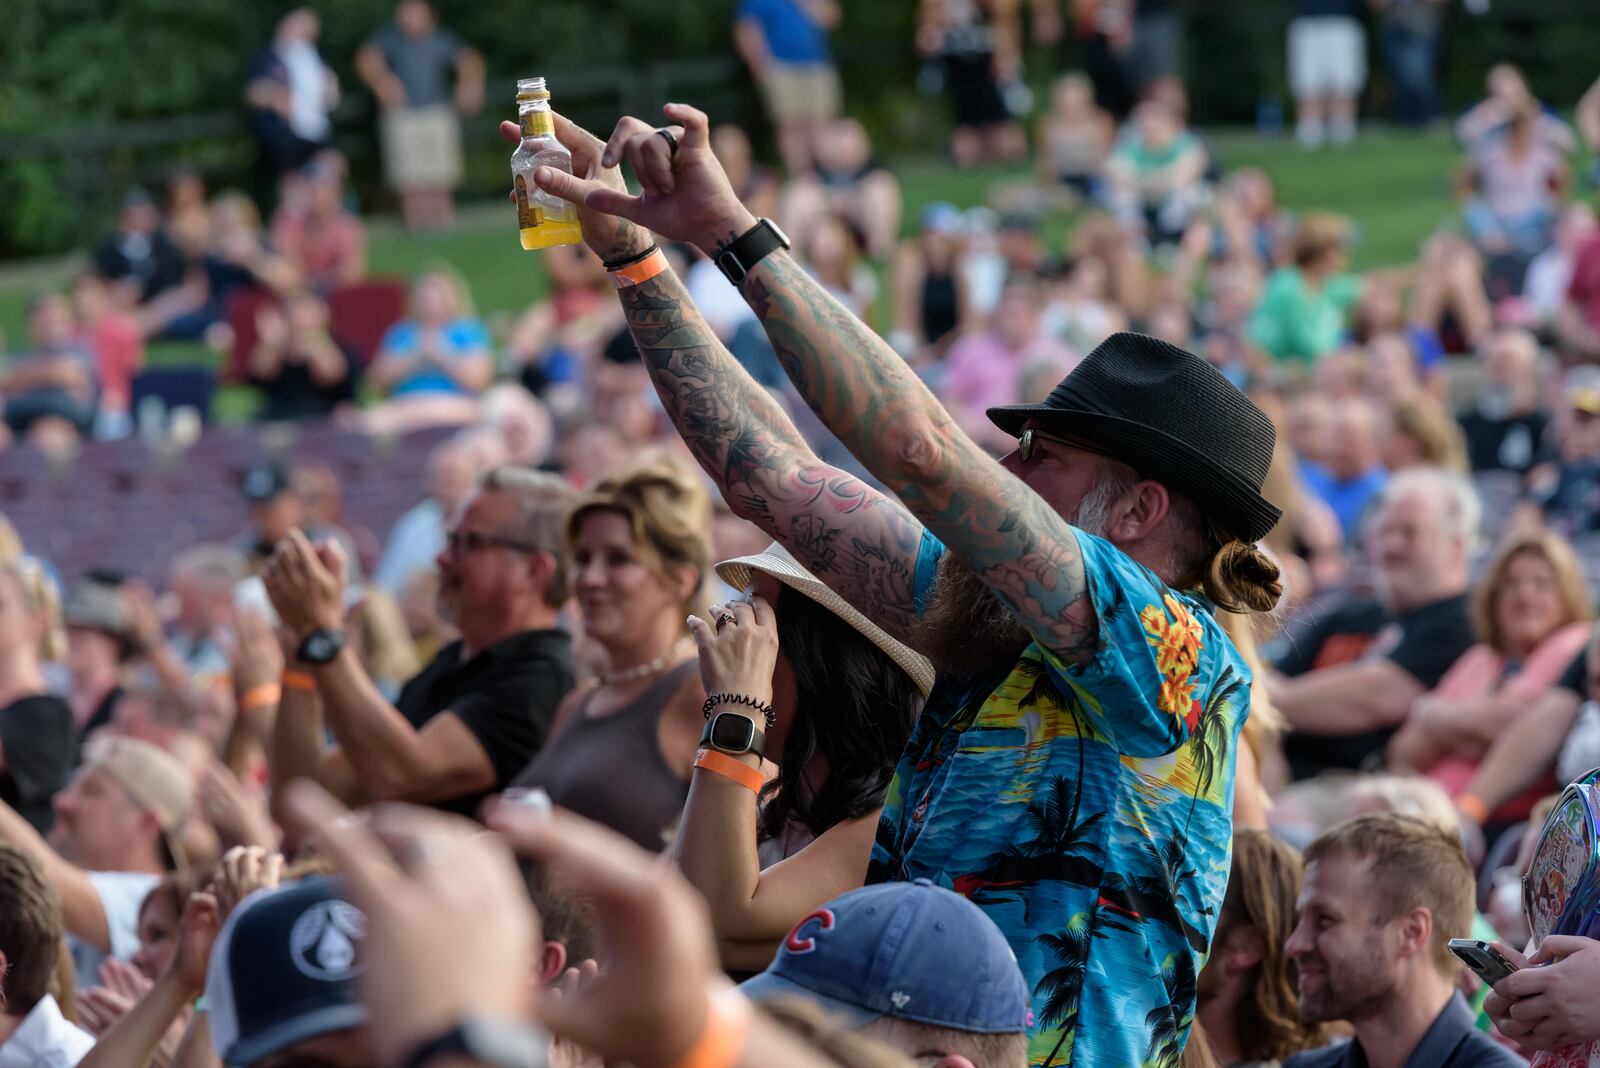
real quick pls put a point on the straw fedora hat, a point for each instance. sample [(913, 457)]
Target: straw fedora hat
[(775, 560)]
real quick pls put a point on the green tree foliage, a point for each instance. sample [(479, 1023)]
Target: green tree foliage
[(80, 80)]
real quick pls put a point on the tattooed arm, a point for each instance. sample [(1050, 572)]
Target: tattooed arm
[(875, 404), (863, 391), (859, 542)]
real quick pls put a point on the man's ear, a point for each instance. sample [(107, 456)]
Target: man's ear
[(1142, 509), (552, 962), (1416, 932)]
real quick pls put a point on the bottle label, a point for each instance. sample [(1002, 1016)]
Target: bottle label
[(538, 124), (528, 213)]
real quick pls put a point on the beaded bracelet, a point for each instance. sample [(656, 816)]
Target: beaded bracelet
[(739, 699)]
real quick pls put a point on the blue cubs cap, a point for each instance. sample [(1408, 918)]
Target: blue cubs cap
[(284, 970), (912, 951)]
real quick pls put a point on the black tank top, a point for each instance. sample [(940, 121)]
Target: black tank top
[(610, 769)]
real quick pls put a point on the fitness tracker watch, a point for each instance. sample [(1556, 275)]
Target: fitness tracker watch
[(739, 257), (734, 733)]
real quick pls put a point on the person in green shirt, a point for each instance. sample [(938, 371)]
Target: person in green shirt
[(1305, 308)]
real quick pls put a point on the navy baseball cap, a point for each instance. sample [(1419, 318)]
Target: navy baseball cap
[(284, 970), (912, 951)]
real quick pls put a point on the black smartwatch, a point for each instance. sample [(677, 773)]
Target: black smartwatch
[(735, 733), (320, 646), (739, 257), (487, 1040)]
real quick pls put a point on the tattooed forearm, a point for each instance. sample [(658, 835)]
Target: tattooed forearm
[(860, 542), (866, 394)]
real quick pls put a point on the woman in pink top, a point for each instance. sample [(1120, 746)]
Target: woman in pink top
[(1531, 610)]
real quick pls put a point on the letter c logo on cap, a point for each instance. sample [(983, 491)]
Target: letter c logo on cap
[(795, 943)]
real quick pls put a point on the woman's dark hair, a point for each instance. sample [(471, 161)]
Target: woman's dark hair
[(854, 706)]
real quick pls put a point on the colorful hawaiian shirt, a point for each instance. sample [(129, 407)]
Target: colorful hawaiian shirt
[(1087, 810)]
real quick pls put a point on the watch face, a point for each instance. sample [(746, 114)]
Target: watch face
[(732, 733), (319, 647)]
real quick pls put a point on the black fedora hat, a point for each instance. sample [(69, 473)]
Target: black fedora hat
[(1172, 417)]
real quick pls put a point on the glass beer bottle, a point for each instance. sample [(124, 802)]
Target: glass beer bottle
[(543, 219)]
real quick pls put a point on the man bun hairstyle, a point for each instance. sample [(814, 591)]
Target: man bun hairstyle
[(1242, 578)]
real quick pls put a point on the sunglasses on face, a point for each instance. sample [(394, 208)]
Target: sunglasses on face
[(460, 542), (1028, 442)]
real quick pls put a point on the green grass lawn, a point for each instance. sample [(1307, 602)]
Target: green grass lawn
[(1394, 184)]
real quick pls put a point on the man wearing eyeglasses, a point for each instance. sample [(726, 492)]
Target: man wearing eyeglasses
[(1072, 772), (478, 712)]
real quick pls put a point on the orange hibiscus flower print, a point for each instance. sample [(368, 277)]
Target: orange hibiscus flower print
[(1177, 638)]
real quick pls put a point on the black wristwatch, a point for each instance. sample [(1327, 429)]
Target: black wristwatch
[(320, 646), (735, 733), (500, 1043), (739, 257)]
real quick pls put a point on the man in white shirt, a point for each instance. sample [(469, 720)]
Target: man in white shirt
[(113, 840), (33, 1033)]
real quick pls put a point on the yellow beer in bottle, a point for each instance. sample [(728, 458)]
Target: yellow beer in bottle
[(544, 220)]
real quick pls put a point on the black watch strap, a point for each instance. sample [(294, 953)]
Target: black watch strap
[(755, 742), (739, 257), (320, 646)]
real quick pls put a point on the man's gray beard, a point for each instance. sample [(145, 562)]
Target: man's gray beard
[(966, 627)]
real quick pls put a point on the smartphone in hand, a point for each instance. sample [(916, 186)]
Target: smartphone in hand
[(1486, 962)]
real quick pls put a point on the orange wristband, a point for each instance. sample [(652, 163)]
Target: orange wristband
[(643, 271), (726, 1029), (1473, 807), (268, 693), (299, 680), (729, 768)]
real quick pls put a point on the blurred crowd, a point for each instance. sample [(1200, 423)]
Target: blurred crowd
[(518, 637)]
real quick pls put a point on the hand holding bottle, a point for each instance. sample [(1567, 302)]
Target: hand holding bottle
[(686, 195), (609, 237)]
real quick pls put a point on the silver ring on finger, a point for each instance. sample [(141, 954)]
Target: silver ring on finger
[(726, 617), (672, 142)]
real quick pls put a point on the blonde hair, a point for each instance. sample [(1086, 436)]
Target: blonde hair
[(667, 509), (1438, 436), (1265, 721), (40, 596), (1413, 863), (1556, 552), (445, 272), (1319, 233), (10, 542), (391, 655)]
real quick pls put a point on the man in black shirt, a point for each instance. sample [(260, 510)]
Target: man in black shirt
[(1505, 428), (475, 715), (1350, 683), (139, 260)]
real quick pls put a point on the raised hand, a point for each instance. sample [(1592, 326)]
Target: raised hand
[(738, 654), (449, 928), (608, 236), (238, 813), (685, 195), (197, 933), (650, 1001), (245, 869)]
